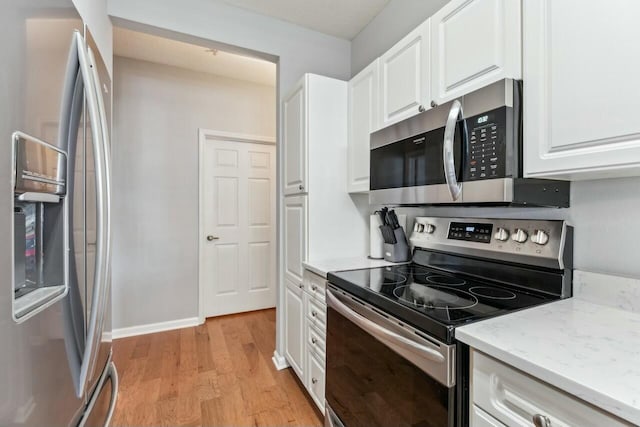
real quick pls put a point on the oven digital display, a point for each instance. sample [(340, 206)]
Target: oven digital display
[(480, 233)]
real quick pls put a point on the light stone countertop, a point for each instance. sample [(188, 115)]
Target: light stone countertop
[(323, 266), (588, 345)]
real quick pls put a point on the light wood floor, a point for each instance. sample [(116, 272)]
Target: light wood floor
[(216, 374)]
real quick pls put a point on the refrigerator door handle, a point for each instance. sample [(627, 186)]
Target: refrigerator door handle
[(106, 207), (94, 328)]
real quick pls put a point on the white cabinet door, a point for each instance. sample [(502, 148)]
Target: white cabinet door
[(295, 237), (581, 88), (316, 380), (363, 119), (474, 43), (294, 340), (405, 76), (295, 142)]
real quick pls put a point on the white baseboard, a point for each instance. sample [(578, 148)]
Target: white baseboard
[(279, 361), (23, 413), (151, 328)]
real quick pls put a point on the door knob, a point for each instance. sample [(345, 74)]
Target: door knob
[(422, 109), (300, 187), (211, 238)]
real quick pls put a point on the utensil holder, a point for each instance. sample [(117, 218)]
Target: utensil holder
[(399, 251)]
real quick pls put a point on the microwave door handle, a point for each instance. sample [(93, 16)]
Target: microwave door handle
[(381, 332), (448, 159)]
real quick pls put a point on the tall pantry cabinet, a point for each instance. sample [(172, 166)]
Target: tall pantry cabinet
[(319, 219)]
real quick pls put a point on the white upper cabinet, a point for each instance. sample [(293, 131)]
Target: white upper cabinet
[(295, 142), (405, 77), (363, 119), (581, 88), (473, 44)]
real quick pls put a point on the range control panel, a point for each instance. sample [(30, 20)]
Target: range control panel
[(471, 232), (486, 145), (546, 243)]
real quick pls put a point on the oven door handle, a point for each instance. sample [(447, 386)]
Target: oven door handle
[(380, 332), (448, 159)]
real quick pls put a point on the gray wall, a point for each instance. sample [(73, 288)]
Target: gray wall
[(395, 21), (158, 110), (299, 50), (604, 214)]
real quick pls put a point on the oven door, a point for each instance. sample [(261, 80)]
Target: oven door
[(382, 373)]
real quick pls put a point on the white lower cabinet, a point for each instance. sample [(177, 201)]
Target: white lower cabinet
[(306, 332), (479, 418), (294, 340), (502, 395), (316, 378)]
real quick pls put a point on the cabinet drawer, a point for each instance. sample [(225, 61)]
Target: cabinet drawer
[(316, 380), (514, 398), (479, 418), (315, 285), (316, 341), (317, 314)]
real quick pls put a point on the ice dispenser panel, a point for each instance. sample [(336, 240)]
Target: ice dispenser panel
[(39, 225)]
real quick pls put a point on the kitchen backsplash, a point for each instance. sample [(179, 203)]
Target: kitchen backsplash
[(603, 212)]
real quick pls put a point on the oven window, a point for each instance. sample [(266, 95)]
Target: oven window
[(370, 385), (412, 162)]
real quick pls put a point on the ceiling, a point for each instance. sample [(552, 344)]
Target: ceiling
[(142, 46), (340, 18)]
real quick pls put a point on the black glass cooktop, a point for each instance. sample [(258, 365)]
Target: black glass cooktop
[(430, 299)]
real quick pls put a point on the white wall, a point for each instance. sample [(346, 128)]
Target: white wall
[(94, 14), (395, 21), (157, 112)]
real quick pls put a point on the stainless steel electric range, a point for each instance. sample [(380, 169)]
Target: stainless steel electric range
[(392, 355)]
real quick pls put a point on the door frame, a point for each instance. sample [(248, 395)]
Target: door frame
[(205, 135)]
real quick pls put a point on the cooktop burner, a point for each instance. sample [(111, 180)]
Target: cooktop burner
[(492, 293), (445, 280), (435, 297), (432, 299)]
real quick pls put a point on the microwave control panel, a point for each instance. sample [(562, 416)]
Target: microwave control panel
[(486, 150)]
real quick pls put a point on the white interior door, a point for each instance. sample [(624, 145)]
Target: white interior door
[(238, 209)]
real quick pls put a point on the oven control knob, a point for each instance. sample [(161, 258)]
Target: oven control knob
[(540, 237), (501, 234), (519, 235), (429, 228)]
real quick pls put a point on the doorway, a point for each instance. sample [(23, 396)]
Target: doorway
[(237, 223), (165, 92)]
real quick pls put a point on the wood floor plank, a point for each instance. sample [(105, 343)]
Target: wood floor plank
[(216, 374)]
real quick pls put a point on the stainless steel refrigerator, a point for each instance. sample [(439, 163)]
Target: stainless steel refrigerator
[(55, 305)]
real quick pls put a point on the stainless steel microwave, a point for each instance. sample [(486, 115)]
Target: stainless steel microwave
[(468, 151)]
